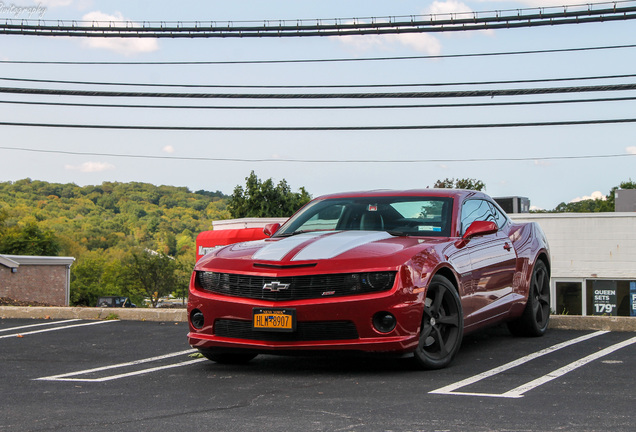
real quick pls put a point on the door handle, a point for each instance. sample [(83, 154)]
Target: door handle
[(507, 246)]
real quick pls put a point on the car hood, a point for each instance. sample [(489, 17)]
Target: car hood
[(369, 248)]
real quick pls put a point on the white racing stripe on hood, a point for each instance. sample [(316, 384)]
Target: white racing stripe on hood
[(333, 245), (276, 251)]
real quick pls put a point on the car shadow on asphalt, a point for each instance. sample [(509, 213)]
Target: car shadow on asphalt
[(491, 340)]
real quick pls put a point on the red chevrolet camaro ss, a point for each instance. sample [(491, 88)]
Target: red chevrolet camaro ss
[(403, 272)]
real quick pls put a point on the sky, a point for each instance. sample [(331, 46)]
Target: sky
[(321, 161)]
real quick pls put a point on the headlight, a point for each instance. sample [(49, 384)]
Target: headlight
[(369, 282), (379, 281)]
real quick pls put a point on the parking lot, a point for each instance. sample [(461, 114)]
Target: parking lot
[(81, 375)]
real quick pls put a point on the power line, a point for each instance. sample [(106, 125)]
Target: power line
[(400, 95), (322, 107), (572, 14), (322, 128), (400, 161), (328, 60), (321, 86)]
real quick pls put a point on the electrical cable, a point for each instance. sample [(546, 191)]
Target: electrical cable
[(322, 128), (438, 84), (219, 159), (322, 107), (400, 95), (329, 60)]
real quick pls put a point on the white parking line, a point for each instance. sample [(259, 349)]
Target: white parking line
[(515, 393), (56, 329), (66, 376), (38, 325), (519, 391)]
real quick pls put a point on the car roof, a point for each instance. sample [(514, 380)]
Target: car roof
[(449, 193)]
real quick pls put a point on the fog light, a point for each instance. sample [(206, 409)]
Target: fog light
[(196, 318), (384, 322)]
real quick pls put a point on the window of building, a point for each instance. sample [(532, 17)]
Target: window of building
[(569, 298), (594, 297)]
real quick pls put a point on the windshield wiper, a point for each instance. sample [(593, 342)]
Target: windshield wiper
[(399, 233)]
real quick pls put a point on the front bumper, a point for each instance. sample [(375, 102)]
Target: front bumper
[(342, 324)]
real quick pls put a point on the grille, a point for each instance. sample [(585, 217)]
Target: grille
[(305, 331), (295, 287)]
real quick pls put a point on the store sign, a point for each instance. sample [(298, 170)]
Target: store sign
[(604, 297), (632, 296)]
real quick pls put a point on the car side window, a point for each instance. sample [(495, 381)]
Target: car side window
[(479, 210), (499, 218)]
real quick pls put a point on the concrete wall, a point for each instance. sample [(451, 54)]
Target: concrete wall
[(589, 245), (39, 279)]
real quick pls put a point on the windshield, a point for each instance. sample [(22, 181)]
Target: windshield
[(416, 216)]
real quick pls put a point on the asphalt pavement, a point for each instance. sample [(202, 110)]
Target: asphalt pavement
[(87, 375)]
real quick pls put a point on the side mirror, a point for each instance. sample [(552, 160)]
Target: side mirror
[(270, 229), (479, 228)]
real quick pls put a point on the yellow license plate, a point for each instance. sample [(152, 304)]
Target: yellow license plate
[(274, 319)]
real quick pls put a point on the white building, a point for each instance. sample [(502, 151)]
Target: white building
[(593, 261)]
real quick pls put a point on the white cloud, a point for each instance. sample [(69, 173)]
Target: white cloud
[(541, 3), (55, 3), (421, 42), (168, 149), (456, 9), (631, 150), (542, 162), (125, 46), (90, 167), (596, 195), (447, 7)]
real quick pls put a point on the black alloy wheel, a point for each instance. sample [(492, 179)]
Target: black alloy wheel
[(442, 325), (536, 316)]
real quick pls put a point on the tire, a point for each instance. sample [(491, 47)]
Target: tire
[(536, 316), (442, 326), (227, 358)]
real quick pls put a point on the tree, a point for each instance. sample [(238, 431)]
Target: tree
[(94, 275), (585, 206), (101, 225), (3, 217), (29, 239), (263, 199), (153, 273), (183, 273), (466, 183), (595, 205)]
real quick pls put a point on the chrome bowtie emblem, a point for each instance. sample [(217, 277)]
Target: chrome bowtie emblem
[(275, 286)]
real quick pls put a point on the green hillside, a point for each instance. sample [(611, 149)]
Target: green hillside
[(107, 228)]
